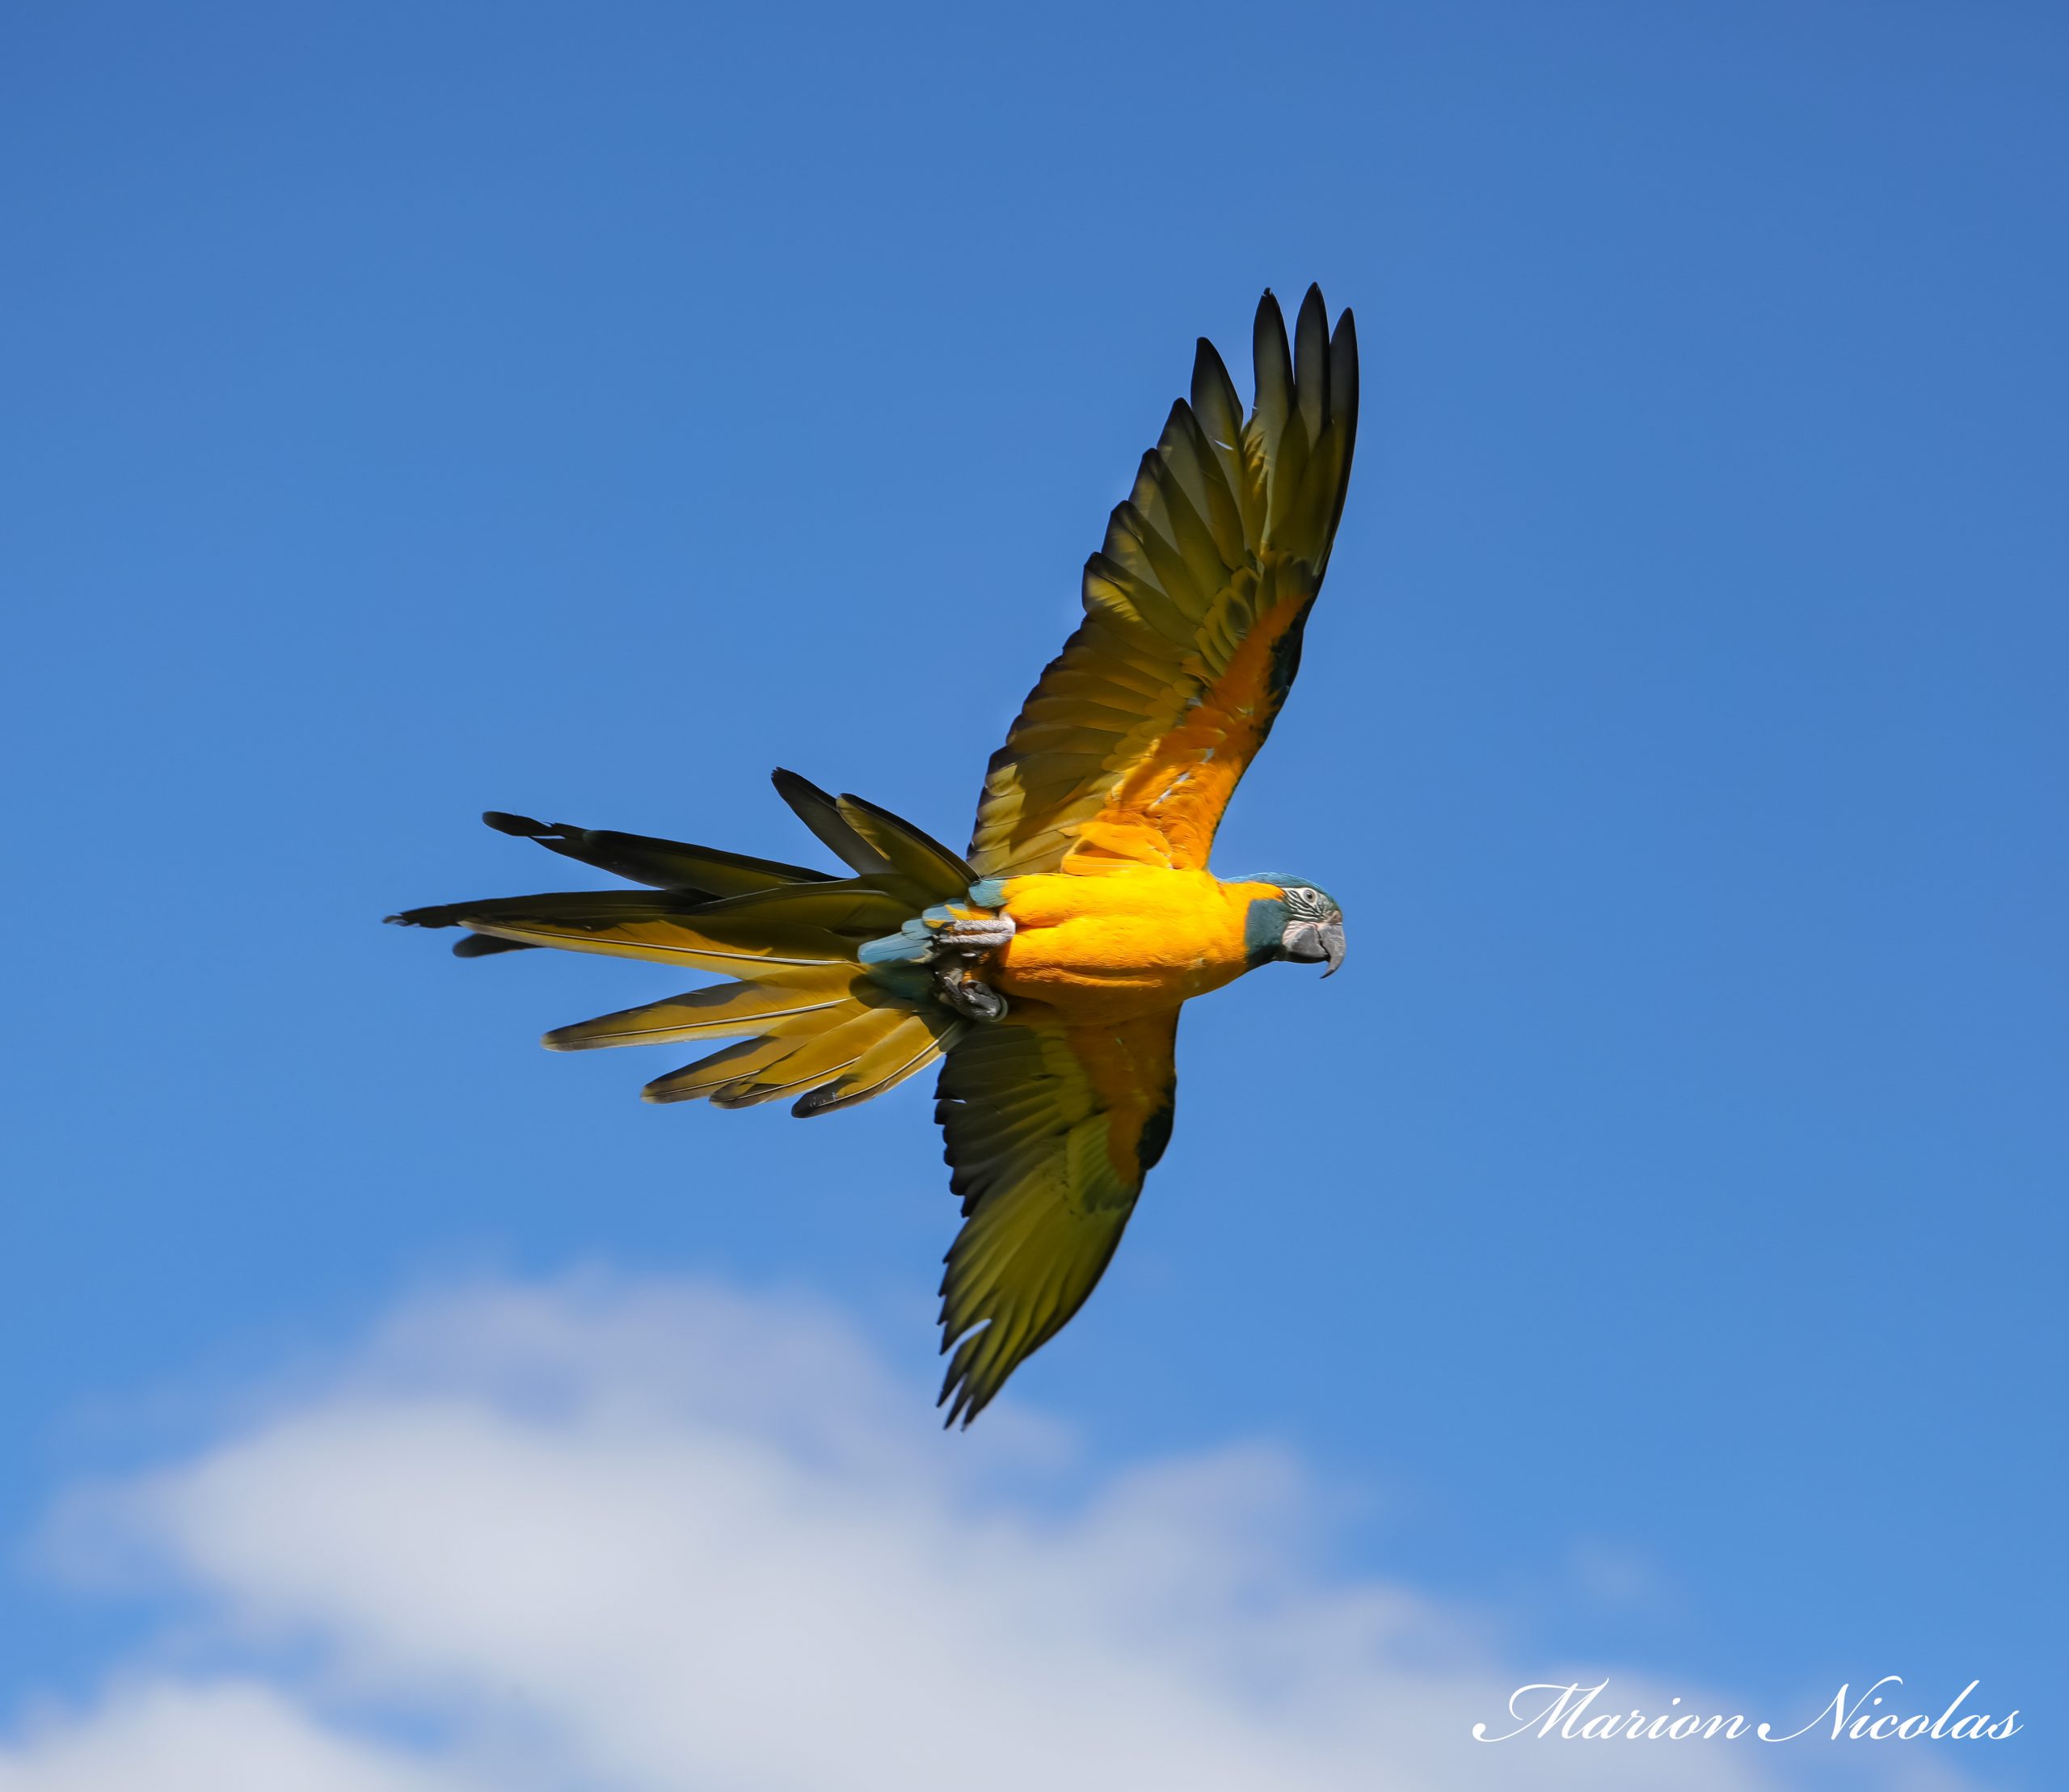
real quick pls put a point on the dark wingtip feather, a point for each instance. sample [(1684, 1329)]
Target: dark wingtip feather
[(1271, 360), (1313, 304), (521, 825), (1343, 403), (1311, 362), (1343, 370)]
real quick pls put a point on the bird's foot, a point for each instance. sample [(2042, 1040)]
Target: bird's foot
[(967, 994), (953, 947), (961, 943)]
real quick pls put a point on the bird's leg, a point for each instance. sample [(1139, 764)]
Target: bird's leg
[(977, 935), (961, 943)]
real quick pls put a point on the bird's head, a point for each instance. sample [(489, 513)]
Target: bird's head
[(1296, 922)]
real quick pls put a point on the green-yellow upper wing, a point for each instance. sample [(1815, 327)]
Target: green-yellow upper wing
[(1132, 744), (1050, 1131)]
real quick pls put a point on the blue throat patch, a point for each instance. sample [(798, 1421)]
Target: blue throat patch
[(1264, 929)]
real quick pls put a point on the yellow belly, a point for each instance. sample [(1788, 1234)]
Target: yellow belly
[(1113, 947)]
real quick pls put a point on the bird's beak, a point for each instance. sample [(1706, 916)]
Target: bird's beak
[(1334, 946)]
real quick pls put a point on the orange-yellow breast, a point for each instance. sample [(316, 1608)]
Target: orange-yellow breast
[(1131, 942)]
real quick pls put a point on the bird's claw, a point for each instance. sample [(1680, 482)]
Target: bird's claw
[(967, 994), (961, 943)]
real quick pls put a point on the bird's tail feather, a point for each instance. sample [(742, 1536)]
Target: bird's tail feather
[(818, 1025), (663, 864), (781, 1002), (884, 1042), (702, 872), (828, 1034)]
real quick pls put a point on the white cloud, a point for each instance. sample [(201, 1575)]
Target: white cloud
[(619, 1537), (229, 1737)]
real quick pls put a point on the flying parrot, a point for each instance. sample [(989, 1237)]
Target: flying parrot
[(1044, 970)]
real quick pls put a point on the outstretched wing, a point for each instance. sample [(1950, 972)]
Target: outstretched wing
[(1050, 1131), (1130, 746)]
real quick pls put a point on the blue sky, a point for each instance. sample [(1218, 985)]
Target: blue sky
[(1650, 1242)]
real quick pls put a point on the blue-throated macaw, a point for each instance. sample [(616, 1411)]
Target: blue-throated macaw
[(1047, 969)]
